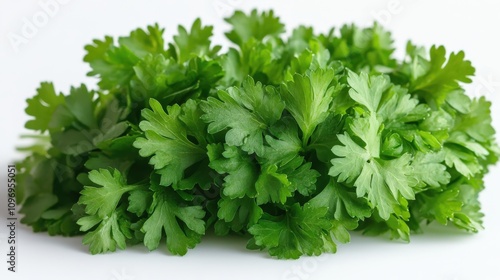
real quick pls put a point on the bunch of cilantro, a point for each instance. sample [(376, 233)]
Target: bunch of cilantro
[(290, 141)]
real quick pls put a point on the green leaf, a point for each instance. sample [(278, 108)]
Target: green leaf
[(396, 226), (246, 112), (167, 142), (111, 233), (153, 74), (302, 178), (308, 98), (439, 79), (382, 181), (361, 49), (303, 230), (368, 90), (36, 176), (256, 59), (142, 42), (441, 206), (397, 106), (182, 225), (139, 201), (255, 25), (462, 160), (195, 43), (35, 206), (345, 209), (429, 170), (477, 122), (191, 117), (326, 136), (102, 201), (459, 101), (42, 106), (80, 102), (286, 146), (73, 141), (470, 216), (272, 186), (113, 65), (239, 213), (241, 170)]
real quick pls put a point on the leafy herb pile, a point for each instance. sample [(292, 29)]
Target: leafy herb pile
[(292, 141)]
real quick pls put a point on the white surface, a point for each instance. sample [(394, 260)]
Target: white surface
[(55, 53)]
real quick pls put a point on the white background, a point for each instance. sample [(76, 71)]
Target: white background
[(55, 51)]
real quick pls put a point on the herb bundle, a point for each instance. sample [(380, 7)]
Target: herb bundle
[(291, 141)]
